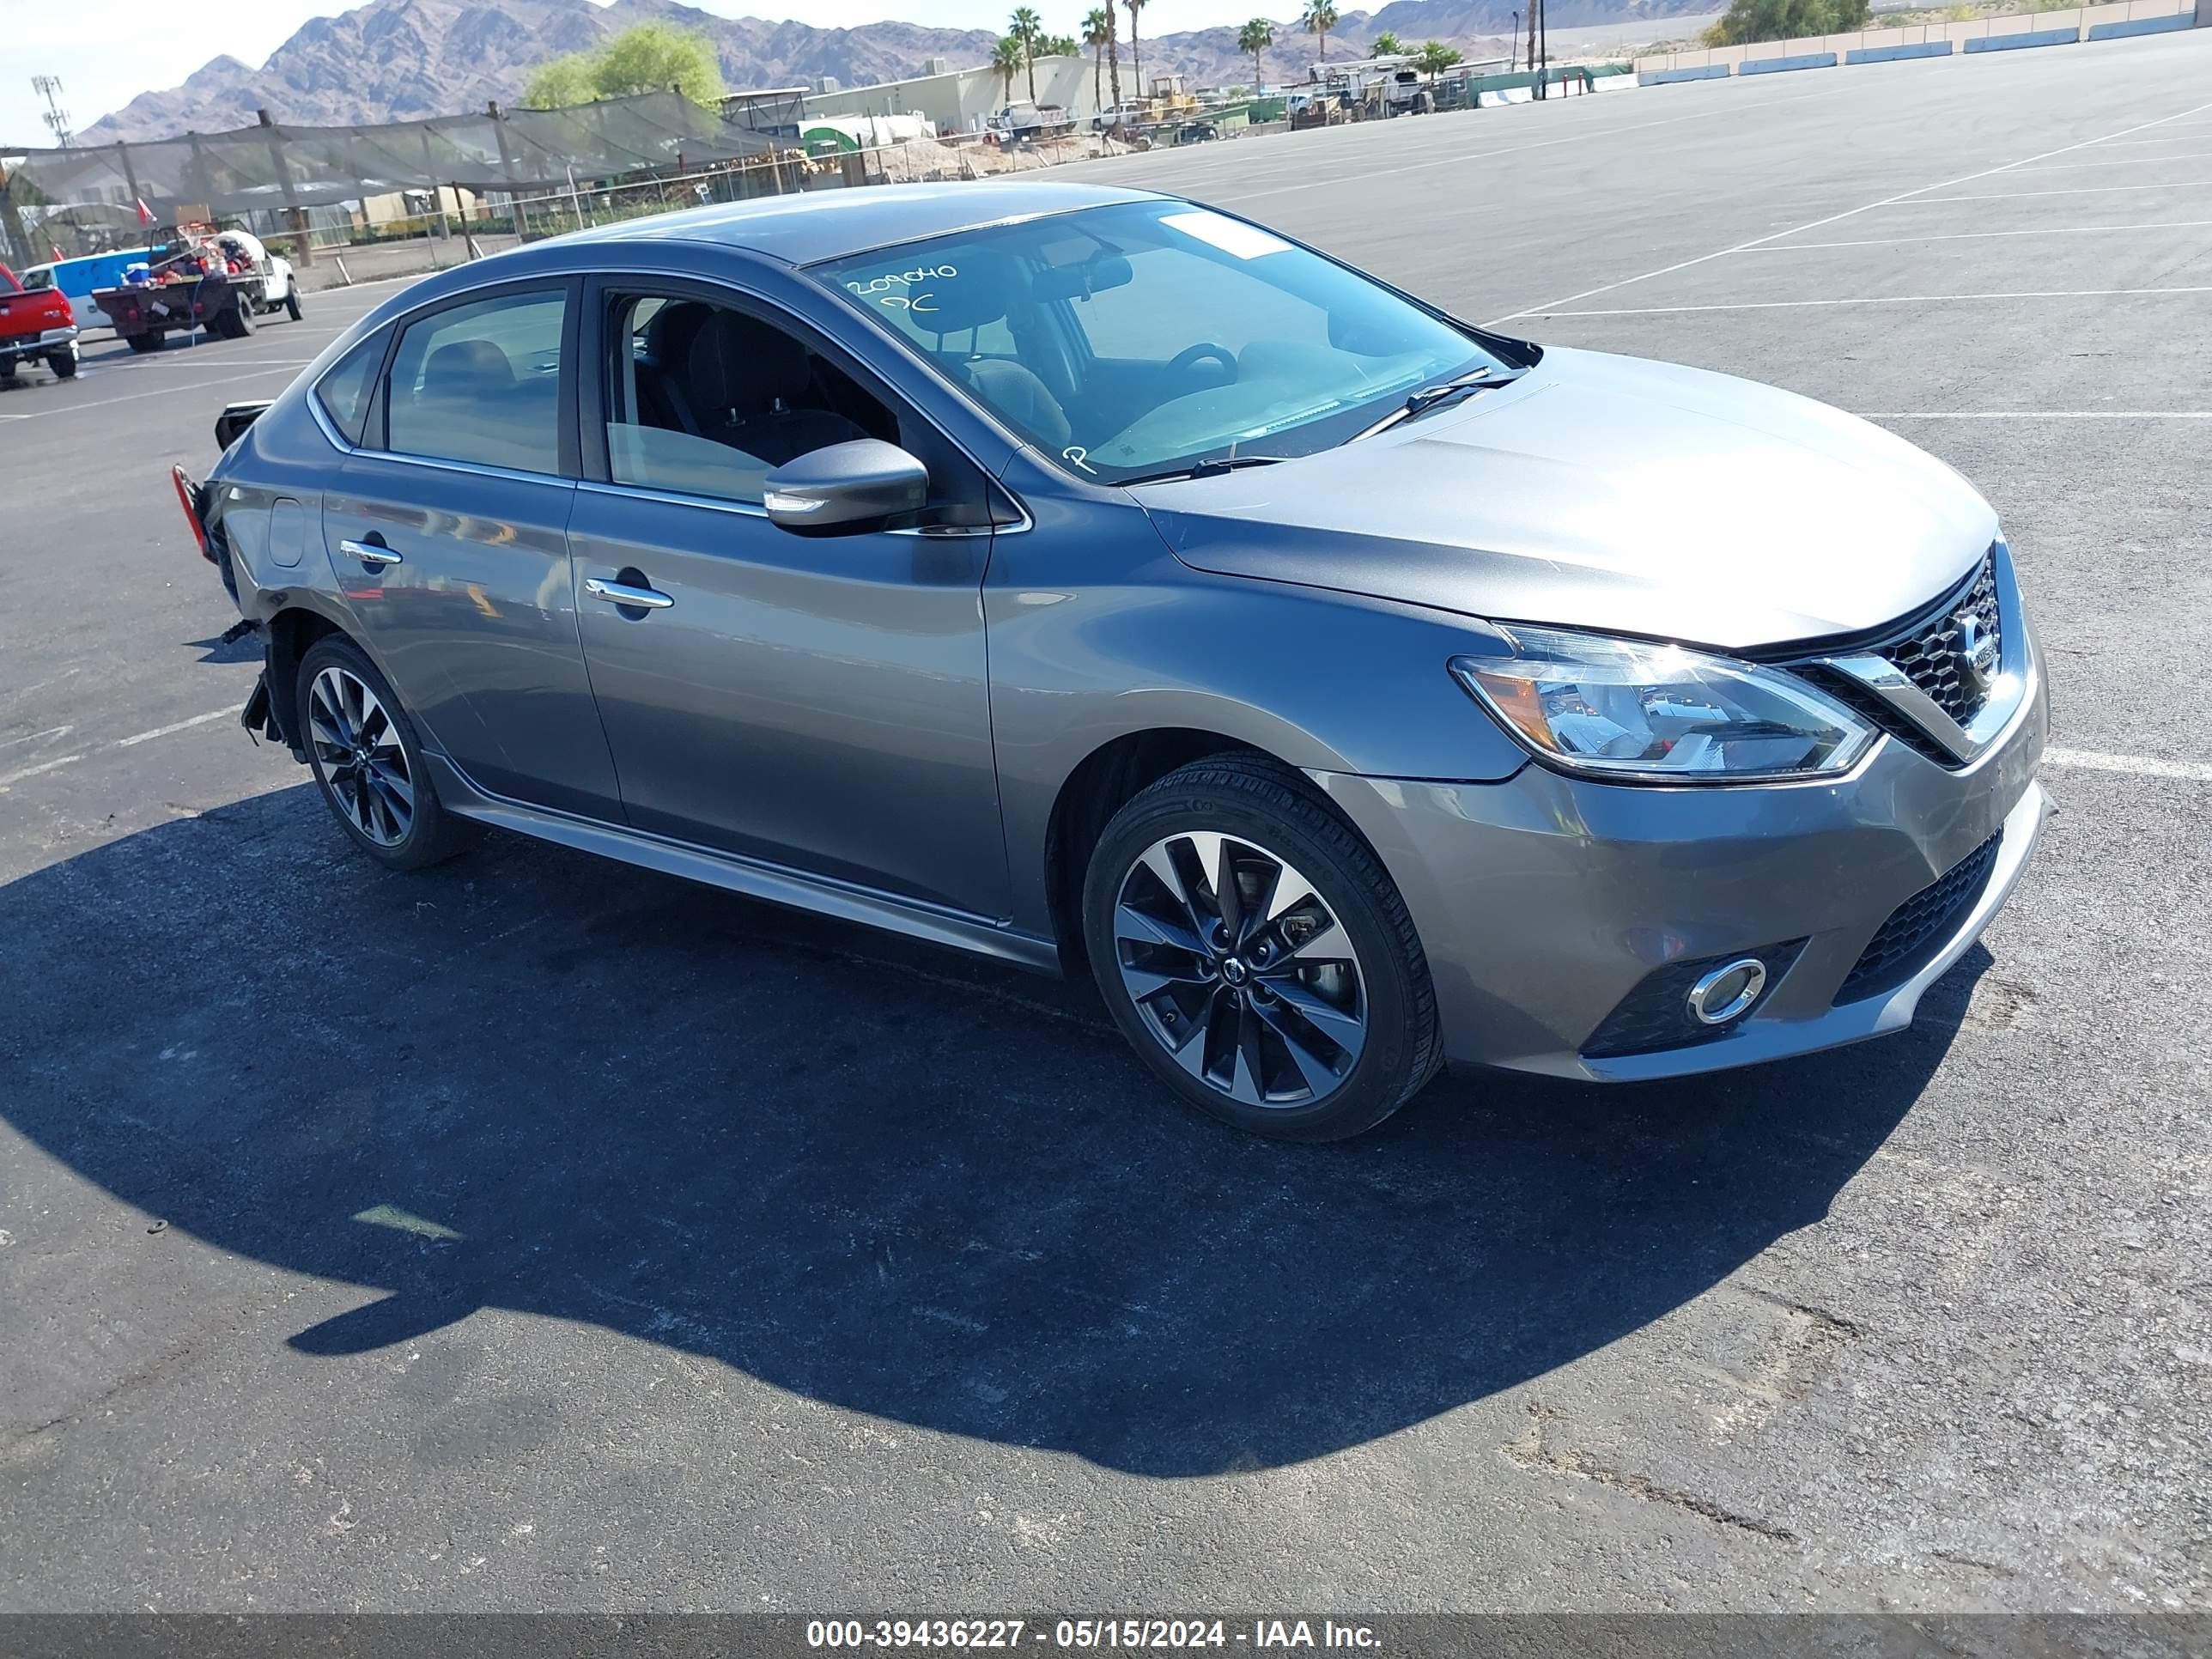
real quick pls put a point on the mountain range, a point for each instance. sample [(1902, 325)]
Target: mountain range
[(394, 60)]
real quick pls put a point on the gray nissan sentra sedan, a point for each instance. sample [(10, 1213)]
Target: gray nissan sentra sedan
[(1077, 575)]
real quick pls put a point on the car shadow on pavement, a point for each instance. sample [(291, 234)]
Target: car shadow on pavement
[(879, 1175)]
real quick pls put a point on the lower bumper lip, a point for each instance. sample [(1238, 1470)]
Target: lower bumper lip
[(1775, 1039)]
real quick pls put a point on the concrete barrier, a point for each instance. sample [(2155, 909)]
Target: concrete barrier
[(2181, 20), (2032, 38), (1778, 65), (1662, 77), (1891, 54)]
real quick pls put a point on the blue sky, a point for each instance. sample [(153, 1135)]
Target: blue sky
[(107, 51)]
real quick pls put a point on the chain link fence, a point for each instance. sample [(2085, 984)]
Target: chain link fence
[(354, 203)]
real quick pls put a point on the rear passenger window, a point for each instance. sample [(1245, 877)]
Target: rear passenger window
[(481, 383), (343, 393)]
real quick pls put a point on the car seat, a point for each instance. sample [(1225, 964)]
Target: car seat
[(747, 382)]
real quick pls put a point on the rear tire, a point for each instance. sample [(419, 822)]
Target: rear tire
[(368, 762), (238, 321), (64, 364), (1307, 1015), (145, 342)]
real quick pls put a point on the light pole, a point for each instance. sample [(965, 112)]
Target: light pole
[(1513, 52)]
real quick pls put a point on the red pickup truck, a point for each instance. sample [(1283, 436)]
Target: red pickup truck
[(34, 325)]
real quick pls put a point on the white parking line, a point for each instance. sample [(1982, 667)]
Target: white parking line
[(1553, 307), (1980, 235), (2024, 195), (1877, 300), (2141, 766), (150, 392), (17, 776), (21, 773), (47, 736), (179, 726), (2123, 161)]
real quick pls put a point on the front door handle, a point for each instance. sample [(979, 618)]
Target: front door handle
[(642, 598), (370, 552)]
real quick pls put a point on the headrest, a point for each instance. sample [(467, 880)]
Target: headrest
[(985, 285), (670, 335), (467, 366), (738, 363)]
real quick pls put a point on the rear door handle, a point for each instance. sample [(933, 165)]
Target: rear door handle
[(644, 599), (369, 553)]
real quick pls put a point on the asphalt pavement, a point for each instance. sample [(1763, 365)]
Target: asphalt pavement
[(537, 1232)]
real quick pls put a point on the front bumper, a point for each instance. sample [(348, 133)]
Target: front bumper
[(1543, 901)]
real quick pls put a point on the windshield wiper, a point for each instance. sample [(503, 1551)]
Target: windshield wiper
[(1485, 379), (1213, 468)]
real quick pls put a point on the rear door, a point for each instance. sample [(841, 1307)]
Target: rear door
[(447, 530)]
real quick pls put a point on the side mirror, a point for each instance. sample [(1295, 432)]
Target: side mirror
[(849, 485)]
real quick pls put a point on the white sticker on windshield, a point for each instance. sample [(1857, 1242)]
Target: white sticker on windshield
[(1230, 235)]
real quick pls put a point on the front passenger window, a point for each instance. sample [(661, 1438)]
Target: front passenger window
[(482, 382), (706, 400)]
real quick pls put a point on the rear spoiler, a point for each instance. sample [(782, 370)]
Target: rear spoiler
[(235, 418)]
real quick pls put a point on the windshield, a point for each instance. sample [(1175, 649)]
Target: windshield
[(1136, 339)]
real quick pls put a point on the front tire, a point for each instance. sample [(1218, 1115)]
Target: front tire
[(292, 303), (368, 762), (1257, 956)]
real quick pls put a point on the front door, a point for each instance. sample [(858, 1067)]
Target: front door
[(448, 534), (818, 702)]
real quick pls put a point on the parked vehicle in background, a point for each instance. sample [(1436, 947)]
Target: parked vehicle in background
[(35, 328), (218, 281), (79, 278), (1023, 121), (1081, 576)]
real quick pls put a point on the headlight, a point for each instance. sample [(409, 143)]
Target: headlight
[(1627, 709)]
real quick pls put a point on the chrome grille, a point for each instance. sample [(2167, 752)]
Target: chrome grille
[(1930, 656)]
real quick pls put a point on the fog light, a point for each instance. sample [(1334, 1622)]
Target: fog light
[(1719, 996)]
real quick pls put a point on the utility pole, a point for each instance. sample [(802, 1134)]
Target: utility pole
[(49, 88)]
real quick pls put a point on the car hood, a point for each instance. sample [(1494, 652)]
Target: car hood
[(1606, 493)]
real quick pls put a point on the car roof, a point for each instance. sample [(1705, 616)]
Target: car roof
[(809, 225)]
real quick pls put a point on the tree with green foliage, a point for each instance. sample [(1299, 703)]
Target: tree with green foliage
[(1136, 58), (1007, 58), (645, 58), (1748, 20), (1435, 58), (1097, 30), (1317, 19), (1256, 37), (1386, 44), (1026, 26), (1060, 45)]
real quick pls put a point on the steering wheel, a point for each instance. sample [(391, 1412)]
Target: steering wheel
[(1190, 356)]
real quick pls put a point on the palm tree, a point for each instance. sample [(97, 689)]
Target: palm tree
[(1007, 58), (1256, 37), (1317, 19), (1096, 32), (1112, 52), (1435, 58), (1385, 45), (1136, 57), (1025, 26)]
